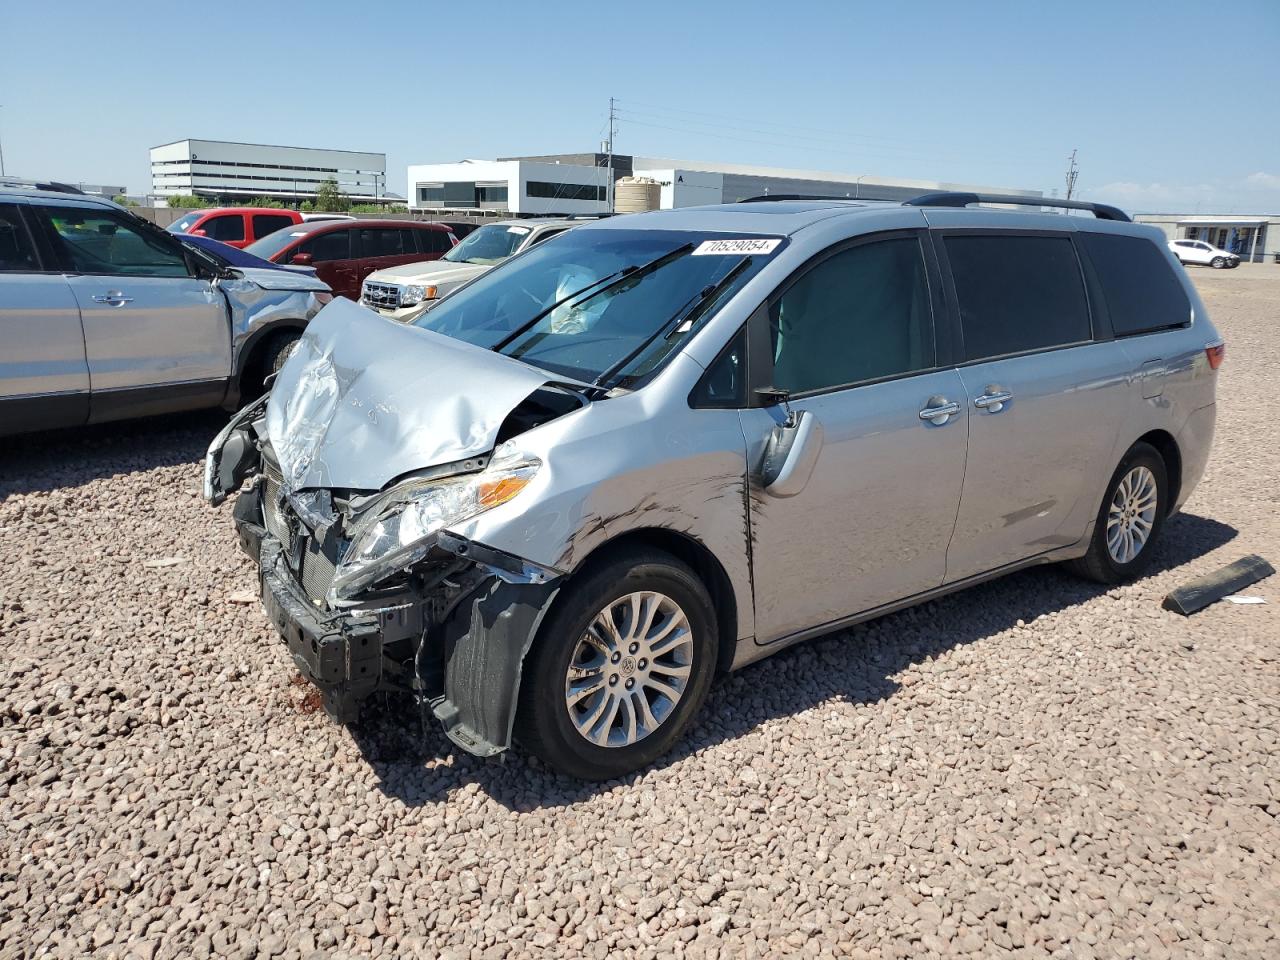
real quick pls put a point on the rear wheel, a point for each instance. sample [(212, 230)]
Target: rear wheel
[(1130, 519), (619, 667)]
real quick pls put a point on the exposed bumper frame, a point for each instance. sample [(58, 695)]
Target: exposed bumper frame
[(481, 637)]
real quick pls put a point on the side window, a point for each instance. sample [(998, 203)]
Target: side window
[(101, 242), (862, 314), (265, 223), (334, 245), (1140, 288), (382, 242), (1018, 293), (432, 241), (227, 227), (544, 236), (725, 382), (17, 251)]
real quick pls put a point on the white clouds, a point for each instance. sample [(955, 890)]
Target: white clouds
[(1257, 193), (1264, 181)]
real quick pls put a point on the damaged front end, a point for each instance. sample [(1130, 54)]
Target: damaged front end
[(359, 573)]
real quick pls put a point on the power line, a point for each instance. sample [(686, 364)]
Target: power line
[(723, 120), (847, 144)]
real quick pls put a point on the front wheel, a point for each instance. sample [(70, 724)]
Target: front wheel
[(619, 667), (1217, 263), (1131, 518)]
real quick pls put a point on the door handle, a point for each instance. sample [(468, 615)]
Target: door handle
[(993, 399), (114, 297), (939, 410)]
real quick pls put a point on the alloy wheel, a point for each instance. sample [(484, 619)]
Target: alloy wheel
[(629, 669), (1132, 514)]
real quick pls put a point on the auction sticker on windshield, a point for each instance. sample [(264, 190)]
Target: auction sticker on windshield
[(747, 245)]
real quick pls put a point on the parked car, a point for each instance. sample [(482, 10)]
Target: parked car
[(344, 252), (405, 292), (230, 256), (1197, 251), (673, 443), (104, 316), (235, 226), (308, 217)]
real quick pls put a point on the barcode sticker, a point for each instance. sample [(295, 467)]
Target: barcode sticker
[(743, 247)]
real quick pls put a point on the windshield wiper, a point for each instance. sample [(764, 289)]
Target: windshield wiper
[(671, 326), (610, 281)]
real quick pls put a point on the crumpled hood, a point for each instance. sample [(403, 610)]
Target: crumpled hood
[(433, 271), (364, 399), (282, 279)]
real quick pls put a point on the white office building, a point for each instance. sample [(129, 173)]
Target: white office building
[(227, 172), (578, 183), (509, 186)]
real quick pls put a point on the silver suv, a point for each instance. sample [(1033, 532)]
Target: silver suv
[(406, 292), (104, 315), (673, 443)]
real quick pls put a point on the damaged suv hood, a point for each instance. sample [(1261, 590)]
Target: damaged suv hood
[(363, 400)]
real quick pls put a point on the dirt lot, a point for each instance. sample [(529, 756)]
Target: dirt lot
[(1036, 766)]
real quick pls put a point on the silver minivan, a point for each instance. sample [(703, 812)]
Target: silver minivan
[(669, 444), (105, 316)]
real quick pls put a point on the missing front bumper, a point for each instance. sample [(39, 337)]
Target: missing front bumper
[(458, 648)]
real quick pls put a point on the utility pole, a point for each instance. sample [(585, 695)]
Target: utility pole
[(609, 161), (1, 150), (1073, 172)]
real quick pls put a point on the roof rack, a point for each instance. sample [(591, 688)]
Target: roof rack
[(1102, 211), (769, 197), (50, 185)]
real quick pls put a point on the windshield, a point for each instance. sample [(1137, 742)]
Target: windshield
[(601, 305), (488, 245), (183, 224), (273, 243)]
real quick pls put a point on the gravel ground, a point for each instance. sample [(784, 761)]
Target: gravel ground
[(1036, 766)]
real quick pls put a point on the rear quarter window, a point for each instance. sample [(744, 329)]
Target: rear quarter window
[(1138, 283)]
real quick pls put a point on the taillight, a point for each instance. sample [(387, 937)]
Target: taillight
[(1215, 352)]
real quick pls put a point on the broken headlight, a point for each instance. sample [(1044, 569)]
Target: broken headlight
[(403, 533)]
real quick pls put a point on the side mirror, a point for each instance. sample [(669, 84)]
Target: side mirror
[(198, 233), (301, 260), (791, 453)]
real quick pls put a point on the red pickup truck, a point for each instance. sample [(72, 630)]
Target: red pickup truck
[(236, 226)]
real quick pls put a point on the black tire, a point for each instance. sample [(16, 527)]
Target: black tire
[(1217, 263), (268, 359), (1098, 564), (543, 723), (277, 351)]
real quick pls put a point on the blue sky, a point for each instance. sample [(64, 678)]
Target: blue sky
[(1172, 105)]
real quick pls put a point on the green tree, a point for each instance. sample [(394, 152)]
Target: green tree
[(187, 200), (330, 199), (124, 201)]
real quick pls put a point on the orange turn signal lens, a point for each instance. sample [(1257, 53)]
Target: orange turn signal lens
[(1216, 352), (491, 493)]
